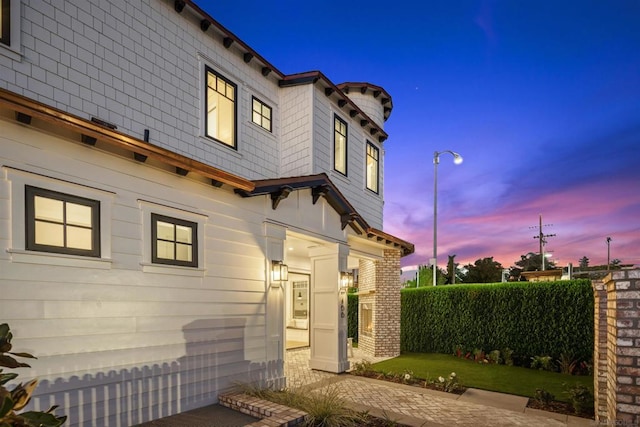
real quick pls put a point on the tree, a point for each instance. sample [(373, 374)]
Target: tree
[(484, 270), (584, 262), (425, 277), (529, 262), (453, 275)]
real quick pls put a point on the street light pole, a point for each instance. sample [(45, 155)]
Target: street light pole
[(457, 159), (608, 253)]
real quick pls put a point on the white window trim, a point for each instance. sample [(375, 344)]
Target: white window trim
[(146, 209), (13, 51), (18, 179)]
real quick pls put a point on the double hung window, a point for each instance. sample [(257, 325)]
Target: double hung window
[(220, 107), (340, 145), (373, 167), (261, 114)]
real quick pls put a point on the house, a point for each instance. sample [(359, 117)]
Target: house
[(174, 209)]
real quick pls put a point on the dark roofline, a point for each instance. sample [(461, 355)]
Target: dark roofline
[(341, 99), (321, 186), (376, 91)]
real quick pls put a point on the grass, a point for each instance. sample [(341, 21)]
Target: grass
[(500, 378)]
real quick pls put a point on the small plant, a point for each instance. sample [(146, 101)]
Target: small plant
[(458, 351), (407, 377), (567, 364), (494, 357), (449, 384), (362, 368), (478, 355), (16, 399), (581, 399), (543, 397), (542, 363), (507, 356)]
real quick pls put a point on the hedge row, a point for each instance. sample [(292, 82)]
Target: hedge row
[(352, 316), (547, 318)]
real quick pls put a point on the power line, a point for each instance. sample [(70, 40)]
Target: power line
[(543, 238)]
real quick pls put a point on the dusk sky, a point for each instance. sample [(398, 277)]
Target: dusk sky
[(541, 98)]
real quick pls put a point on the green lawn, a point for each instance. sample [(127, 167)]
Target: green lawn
[(501, 378)]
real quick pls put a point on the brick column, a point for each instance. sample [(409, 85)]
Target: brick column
[(600, 350), (379, 289), (387, 305), (623, 347)]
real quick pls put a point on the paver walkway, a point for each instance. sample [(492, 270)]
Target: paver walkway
[(417, 406)]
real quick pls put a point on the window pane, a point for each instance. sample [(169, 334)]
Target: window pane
[(78, 214), (230, 92), (257, 119), (183, 234), (225, 121), (48, 209), (267, 124), (49, 234), (165, 231), (266, 112), (165, 250), (79, 238), (183, 252)]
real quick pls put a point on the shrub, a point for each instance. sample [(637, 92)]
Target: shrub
[(494, 357), (449, 384), (352, 316), (543, 363), (17, 399), (529, 318), (581, 399), (543, 397)]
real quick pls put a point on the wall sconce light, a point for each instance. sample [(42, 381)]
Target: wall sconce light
[(346, 280), (279, 271)]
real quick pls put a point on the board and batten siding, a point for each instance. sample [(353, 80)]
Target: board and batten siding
[(120, 341)]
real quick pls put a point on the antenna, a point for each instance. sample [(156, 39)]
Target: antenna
[(543, 239)]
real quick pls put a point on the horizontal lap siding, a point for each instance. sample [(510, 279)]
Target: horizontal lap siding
[(122, 340)]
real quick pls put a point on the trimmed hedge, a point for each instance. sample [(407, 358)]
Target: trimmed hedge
[(532, 319), (352, 316)]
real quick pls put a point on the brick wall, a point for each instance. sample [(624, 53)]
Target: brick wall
[(366, 287), (622, 348)]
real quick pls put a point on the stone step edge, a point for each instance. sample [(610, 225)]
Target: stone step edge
[(270, 414)]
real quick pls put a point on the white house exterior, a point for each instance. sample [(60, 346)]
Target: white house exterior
[(153, 168)]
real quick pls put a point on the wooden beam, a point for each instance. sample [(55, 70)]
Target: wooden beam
[(353, 113), (266, 71), (364, 122), (247, 57), (342, 103), (140, 157), (23, 118), (89, 140), (227, 42), (178, 5), (363, 90), (280, 195), (319, 191), (180, 171), (376, 93), (205, 24)]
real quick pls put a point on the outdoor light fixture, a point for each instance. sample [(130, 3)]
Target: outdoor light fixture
[(457, 159), (346, 280), (279, 271)]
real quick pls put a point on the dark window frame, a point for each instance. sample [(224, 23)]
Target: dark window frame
[(262, 117), (30, 222), (206, 107), (154, 239), (336, 119), (377, 160), (5, 34)]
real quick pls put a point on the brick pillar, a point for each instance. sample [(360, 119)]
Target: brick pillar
[(387, 305), (379, 290), (600, 350), (623, 347)]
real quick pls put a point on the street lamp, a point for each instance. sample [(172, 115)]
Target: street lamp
[(457, 159), (608, 253)]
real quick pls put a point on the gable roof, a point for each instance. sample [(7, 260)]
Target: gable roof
[(321, 186)]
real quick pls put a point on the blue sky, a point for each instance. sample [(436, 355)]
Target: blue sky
[(541, 98)]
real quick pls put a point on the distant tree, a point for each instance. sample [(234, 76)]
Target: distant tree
[(452, 271), (529, 262), (584, 262), (615, 263), (484, 270), (425, 277)]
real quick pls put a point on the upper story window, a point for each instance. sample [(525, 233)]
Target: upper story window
[(61, 223), (5, 22), (340, 145), (220, 105), (373, 167), (261, 114), (174, 241)]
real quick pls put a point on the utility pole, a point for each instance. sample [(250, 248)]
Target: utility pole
[(543, 239)]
